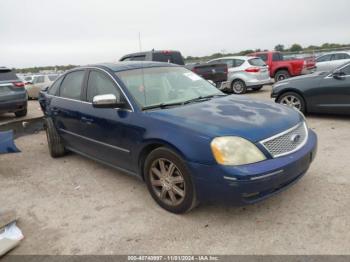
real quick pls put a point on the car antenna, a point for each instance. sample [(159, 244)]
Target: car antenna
[(143, 73)]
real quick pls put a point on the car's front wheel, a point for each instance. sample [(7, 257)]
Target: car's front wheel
[(169, 181), (293, 100), (55, 143)]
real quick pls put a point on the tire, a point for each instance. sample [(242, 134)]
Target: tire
[(172, 191), (293, 100), (281, 75), (21, 113), (238, 87), (257, 88), (56, 146)]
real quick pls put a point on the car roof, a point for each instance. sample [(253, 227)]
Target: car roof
[(336, 52), (130, 65), (234, 57)]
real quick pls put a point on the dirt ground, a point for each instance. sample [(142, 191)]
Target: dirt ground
[(73, 205), (33, 112)]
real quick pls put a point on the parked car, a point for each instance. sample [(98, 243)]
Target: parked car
[(13, 96), (187, 140), (244, 72), (37, 83), (215, 72), (321, 92), (167, 56), (281, 69), (329, 62)]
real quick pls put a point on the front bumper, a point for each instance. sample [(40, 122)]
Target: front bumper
[(255, 182)]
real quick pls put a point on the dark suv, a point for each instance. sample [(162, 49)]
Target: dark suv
[(166, 56), (13, 96)]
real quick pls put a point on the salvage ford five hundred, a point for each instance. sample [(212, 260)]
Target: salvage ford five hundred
[(187, 140)]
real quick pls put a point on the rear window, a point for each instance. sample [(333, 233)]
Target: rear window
[(256, 62), (6, 75), (172, 57)]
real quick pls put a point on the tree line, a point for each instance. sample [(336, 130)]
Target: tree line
[(295, 48)]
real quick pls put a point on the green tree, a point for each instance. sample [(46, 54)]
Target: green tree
[(279, 48), (296, 48)]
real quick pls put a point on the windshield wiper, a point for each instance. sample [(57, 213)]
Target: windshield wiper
[(203, 98), (162, 105), (165, 105)]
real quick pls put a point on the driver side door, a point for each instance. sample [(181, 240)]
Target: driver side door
[(333, 94), (103, 129)]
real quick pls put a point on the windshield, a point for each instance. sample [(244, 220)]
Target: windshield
[(165, 85)]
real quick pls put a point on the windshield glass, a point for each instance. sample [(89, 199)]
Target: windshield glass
[(165, 85)]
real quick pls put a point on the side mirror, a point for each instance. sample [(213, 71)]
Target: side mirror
[(339, 75), (107, 101)]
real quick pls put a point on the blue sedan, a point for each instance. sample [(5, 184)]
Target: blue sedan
[(188, 141)]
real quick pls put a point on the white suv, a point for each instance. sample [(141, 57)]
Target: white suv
[(244, 72)]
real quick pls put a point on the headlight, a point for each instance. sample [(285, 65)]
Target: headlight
[(234, 151)]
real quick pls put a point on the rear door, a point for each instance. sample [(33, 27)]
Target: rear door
[(323, 63), (339, 59), (66, 109), (103, 129)]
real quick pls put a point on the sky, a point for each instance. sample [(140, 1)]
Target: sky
[(60, 32)]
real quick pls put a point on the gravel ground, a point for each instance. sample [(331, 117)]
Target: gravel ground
[(33, 112), (73, 205)]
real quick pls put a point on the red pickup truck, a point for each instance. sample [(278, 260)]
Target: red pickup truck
[(281, 69)]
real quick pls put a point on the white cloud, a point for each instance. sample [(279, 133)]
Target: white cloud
[(35, 32)]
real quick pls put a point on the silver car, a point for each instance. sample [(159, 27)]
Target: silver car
[(38, 83), (331, 61), (244, 72)]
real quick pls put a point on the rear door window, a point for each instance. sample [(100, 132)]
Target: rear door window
[(340, 56), (100, 84), (72, 85), (6, 75), (324, 58)]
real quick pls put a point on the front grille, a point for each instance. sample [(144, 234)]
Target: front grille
[(287, 142)]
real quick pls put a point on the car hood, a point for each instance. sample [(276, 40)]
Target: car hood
[(233, 115), (311, 77)]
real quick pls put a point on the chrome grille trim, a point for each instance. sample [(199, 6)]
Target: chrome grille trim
[(280, 148)]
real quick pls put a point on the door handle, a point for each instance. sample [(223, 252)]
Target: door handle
[(87, 120)]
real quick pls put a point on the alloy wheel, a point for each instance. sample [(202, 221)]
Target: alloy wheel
[(291, 101), (238, 87), (167, 182)]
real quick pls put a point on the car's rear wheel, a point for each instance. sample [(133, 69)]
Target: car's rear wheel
[(169, 181), (55, 143), (238, 87), (293, 100), (282, 75), (21, 113), (257, 88)]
